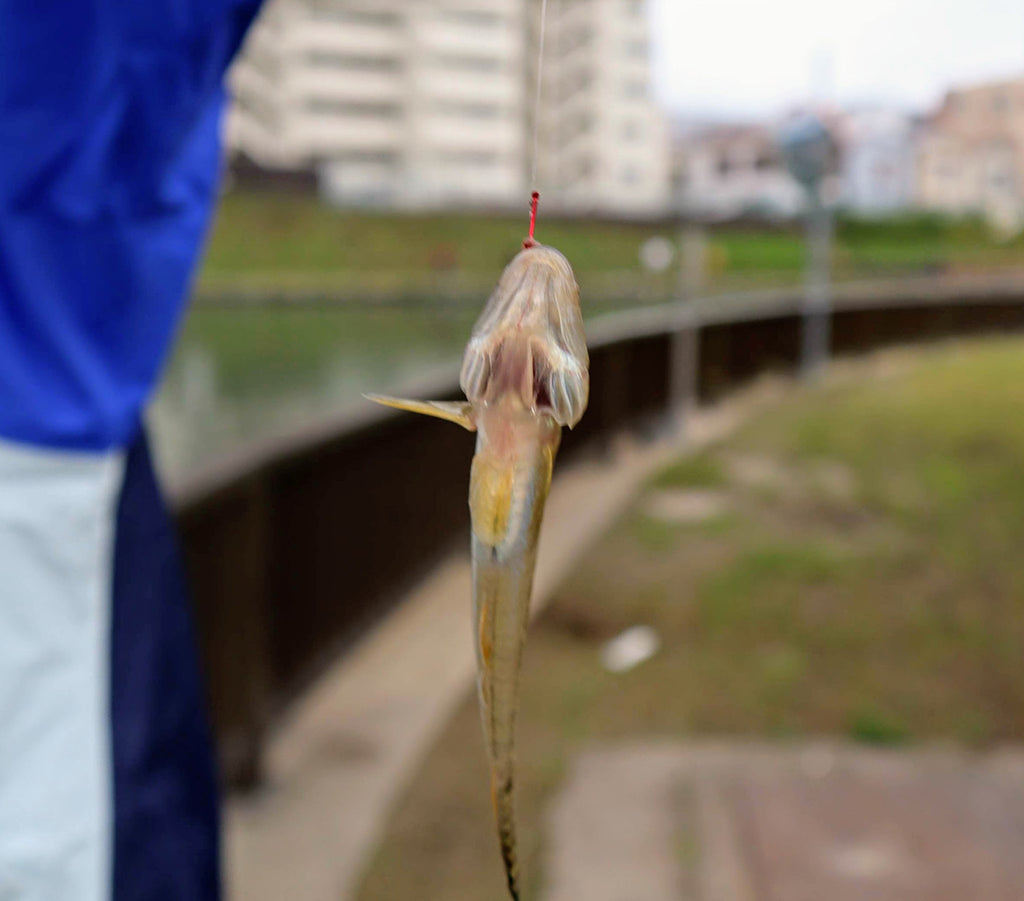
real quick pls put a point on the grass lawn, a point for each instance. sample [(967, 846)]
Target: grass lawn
[(262, 240), (863, 578), (286, 241), (293, 232)]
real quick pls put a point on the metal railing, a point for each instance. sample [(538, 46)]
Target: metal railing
[(294, 548)]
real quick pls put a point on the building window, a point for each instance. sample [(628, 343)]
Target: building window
[(322, 59), (635, 90), (637, 49), (472, 17), (631, 131), (468, 110), (364, 17), (1000, 177), (335, 107), (575, 38), (577, 81), (367, 157), (468, 63), (478, 158), (263, 58), (256, 106)]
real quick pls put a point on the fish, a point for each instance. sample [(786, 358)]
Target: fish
[(525, 375)]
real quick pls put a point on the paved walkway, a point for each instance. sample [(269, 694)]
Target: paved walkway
[(705, 822), (336, 767)]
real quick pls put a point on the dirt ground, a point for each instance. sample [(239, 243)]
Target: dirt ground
[(846, 565)]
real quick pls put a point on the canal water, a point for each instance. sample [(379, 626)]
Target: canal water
[(243, 372), (238, 374)]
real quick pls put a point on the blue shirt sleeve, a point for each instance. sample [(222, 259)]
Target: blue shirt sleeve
[(109, 164)]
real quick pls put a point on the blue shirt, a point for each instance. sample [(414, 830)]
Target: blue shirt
[(109, 162)]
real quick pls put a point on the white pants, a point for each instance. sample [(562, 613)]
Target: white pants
[(57, 513)]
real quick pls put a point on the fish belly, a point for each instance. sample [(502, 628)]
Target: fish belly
[(507, 496)]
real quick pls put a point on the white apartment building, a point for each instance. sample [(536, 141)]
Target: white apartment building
[(420, 104), (396, 102), (604, 145)]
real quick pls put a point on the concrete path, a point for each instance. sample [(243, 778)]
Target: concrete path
[(753, 823), (337, 765)]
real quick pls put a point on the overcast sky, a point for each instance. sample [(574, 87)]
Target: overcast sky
[(742, 58)]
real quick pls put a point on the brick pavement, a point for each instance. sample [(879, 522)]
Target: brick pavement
[(706, 822)]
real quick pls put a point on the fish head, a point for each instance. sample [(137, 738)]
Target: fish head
[(528, 344)]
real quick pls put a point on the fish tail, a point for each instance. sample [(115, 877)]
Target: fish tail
[(504, 810), (499, 691)]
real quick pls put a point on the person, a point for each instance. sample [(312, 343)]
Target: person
[(109, 168)]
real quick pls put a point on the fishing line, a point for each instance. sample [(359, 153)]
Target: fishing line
[(535, 194)]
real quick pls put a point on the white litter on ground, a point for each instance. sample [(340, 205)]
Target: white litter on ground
[(630, 648)]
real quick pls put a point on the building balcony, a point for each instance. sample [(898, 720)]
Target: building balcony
[(445, 37), (436, 82), (448, 132), (350, 85), (326, 135), (355, 40)]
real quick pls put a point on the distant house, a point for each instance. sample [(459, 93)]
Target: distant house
[(727, 171), (878, 159), (971, 155)]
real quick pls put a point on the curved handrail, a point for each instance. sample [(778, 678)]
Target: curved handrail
[(297, 543)]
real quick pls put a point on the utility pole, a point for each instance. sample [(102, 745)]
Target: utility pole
[(808, 149), (685, 352), (817, 313)]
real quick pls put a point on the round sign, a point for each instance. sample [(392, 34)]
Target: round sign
[(807, 148), (656, 254)]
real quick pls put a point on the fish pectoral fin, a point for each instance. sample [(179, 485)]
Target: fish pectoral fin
[(459, 412)]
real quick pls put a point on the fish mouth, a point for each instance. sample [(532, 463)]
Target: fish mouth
[(529, 341)]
